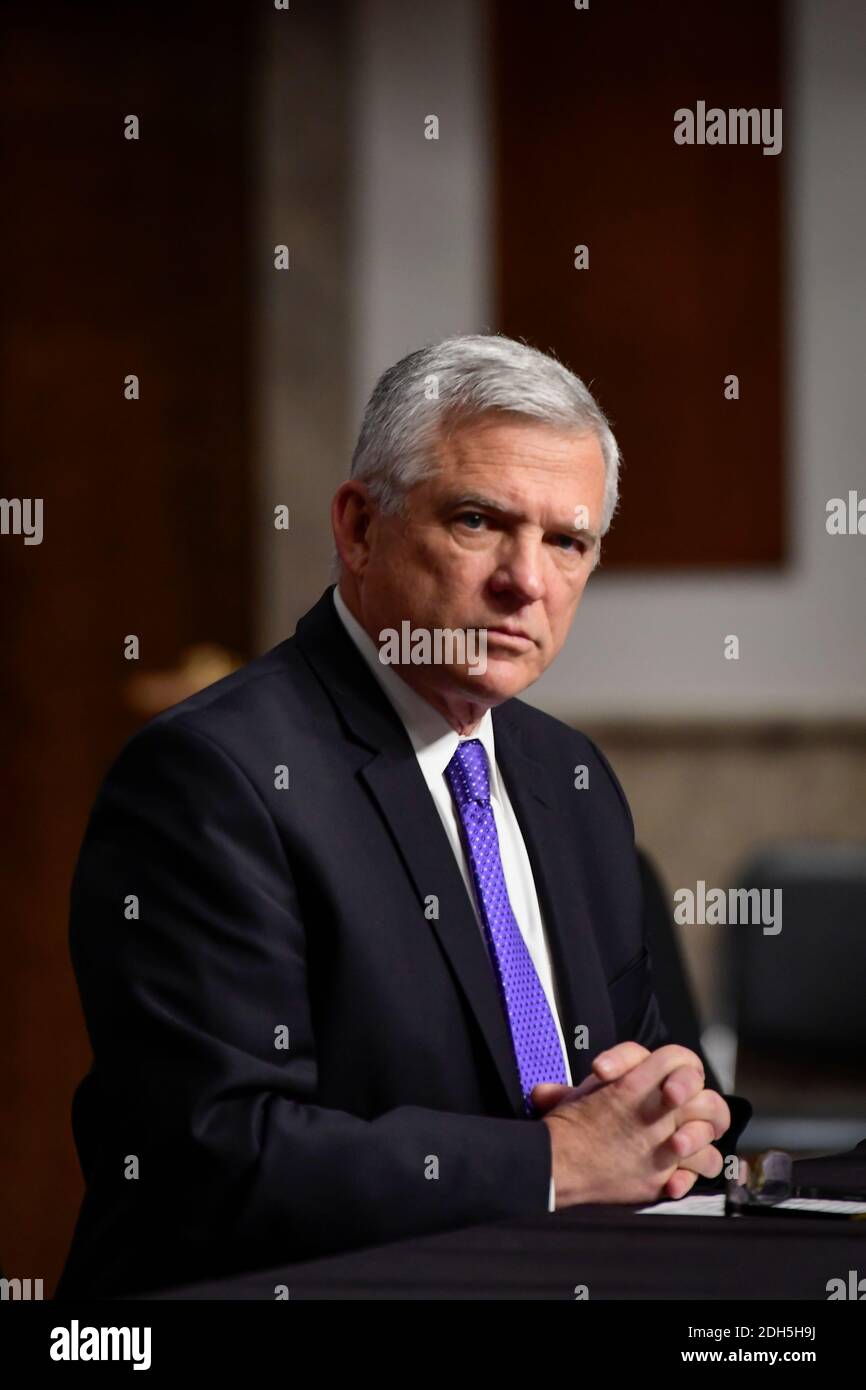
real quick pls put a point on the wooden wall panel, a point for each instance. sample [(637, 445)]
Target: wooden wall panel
[(119, 257), (685, 274)]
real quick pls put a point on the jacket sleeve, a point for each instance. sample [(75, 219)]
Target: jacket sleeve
[(189, 947)]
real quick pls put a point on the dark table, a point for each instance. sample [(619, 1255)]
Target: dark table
[(613, 1251)]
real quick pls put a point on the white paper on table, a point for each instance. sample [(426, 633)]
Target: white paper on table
[(714, 1205)]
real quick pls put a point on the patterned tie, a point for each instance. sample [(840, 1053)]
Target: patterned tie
[(533, 1031)]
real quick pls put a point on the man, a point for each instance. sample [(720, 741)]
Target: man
[(360, 945)]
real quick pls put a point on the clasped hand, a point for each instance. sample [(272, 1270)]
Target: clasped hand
[(639, 1128)]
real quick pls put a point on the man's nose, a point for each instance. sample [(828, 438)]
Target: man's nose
[(520, 570)]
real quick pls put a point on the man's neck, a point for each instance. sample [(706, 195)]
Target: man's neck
[(463, 715)]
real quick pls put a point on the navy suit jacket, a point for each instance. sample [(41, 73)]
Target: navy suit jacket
[(218, 914)]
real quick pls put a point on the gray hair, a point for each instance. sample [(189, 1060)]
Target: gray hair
[(459, 378)]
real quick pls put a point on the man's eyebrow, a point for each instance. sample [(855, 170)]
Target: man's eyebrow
[(489, 504)]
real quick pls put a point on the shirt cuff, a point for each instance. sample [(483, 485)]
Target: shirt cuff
[(551, 1200)]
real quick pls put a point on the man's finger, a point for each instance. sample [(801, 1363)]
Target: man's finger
[(710, 1106), (708, 1163), (647, 1079), (616, 1061), (690, 1138), (683, 1084), (679, 1183), (547, 1094)]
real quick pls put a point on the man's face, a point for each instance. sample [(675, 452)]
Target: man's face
[(502, 536)]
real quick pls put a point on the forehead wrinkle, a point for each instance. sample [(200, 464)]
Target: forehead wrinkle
[(468, 455), (471, 450)]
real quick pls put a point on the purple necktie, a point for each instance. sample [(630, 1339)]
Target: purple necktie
[(533, 1031)]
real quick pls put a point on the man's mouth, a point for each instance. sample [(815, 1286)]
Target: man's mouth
[(509, 637)]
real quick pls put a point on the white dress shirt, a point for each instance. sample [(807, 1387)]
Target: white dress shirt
[(435, 742)]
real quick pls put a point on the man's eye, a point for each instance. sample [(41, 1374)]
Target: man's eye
[(463, 517), (573, 543)]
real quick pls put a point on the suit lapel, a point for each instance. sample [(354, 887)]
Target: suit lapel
[(396, 783), (405, 802)]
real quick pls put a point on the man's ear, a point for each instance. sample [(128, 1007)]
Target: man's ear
[(351, 514)]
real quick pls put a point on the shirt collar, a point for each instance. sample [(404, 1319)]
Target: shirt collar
[(432, 737)]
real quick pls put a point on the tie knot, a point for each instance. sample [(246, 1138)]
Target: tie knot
[(467, 774)]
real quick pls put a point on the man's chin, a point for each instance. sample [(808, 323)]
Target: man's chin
[(497, 680)]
